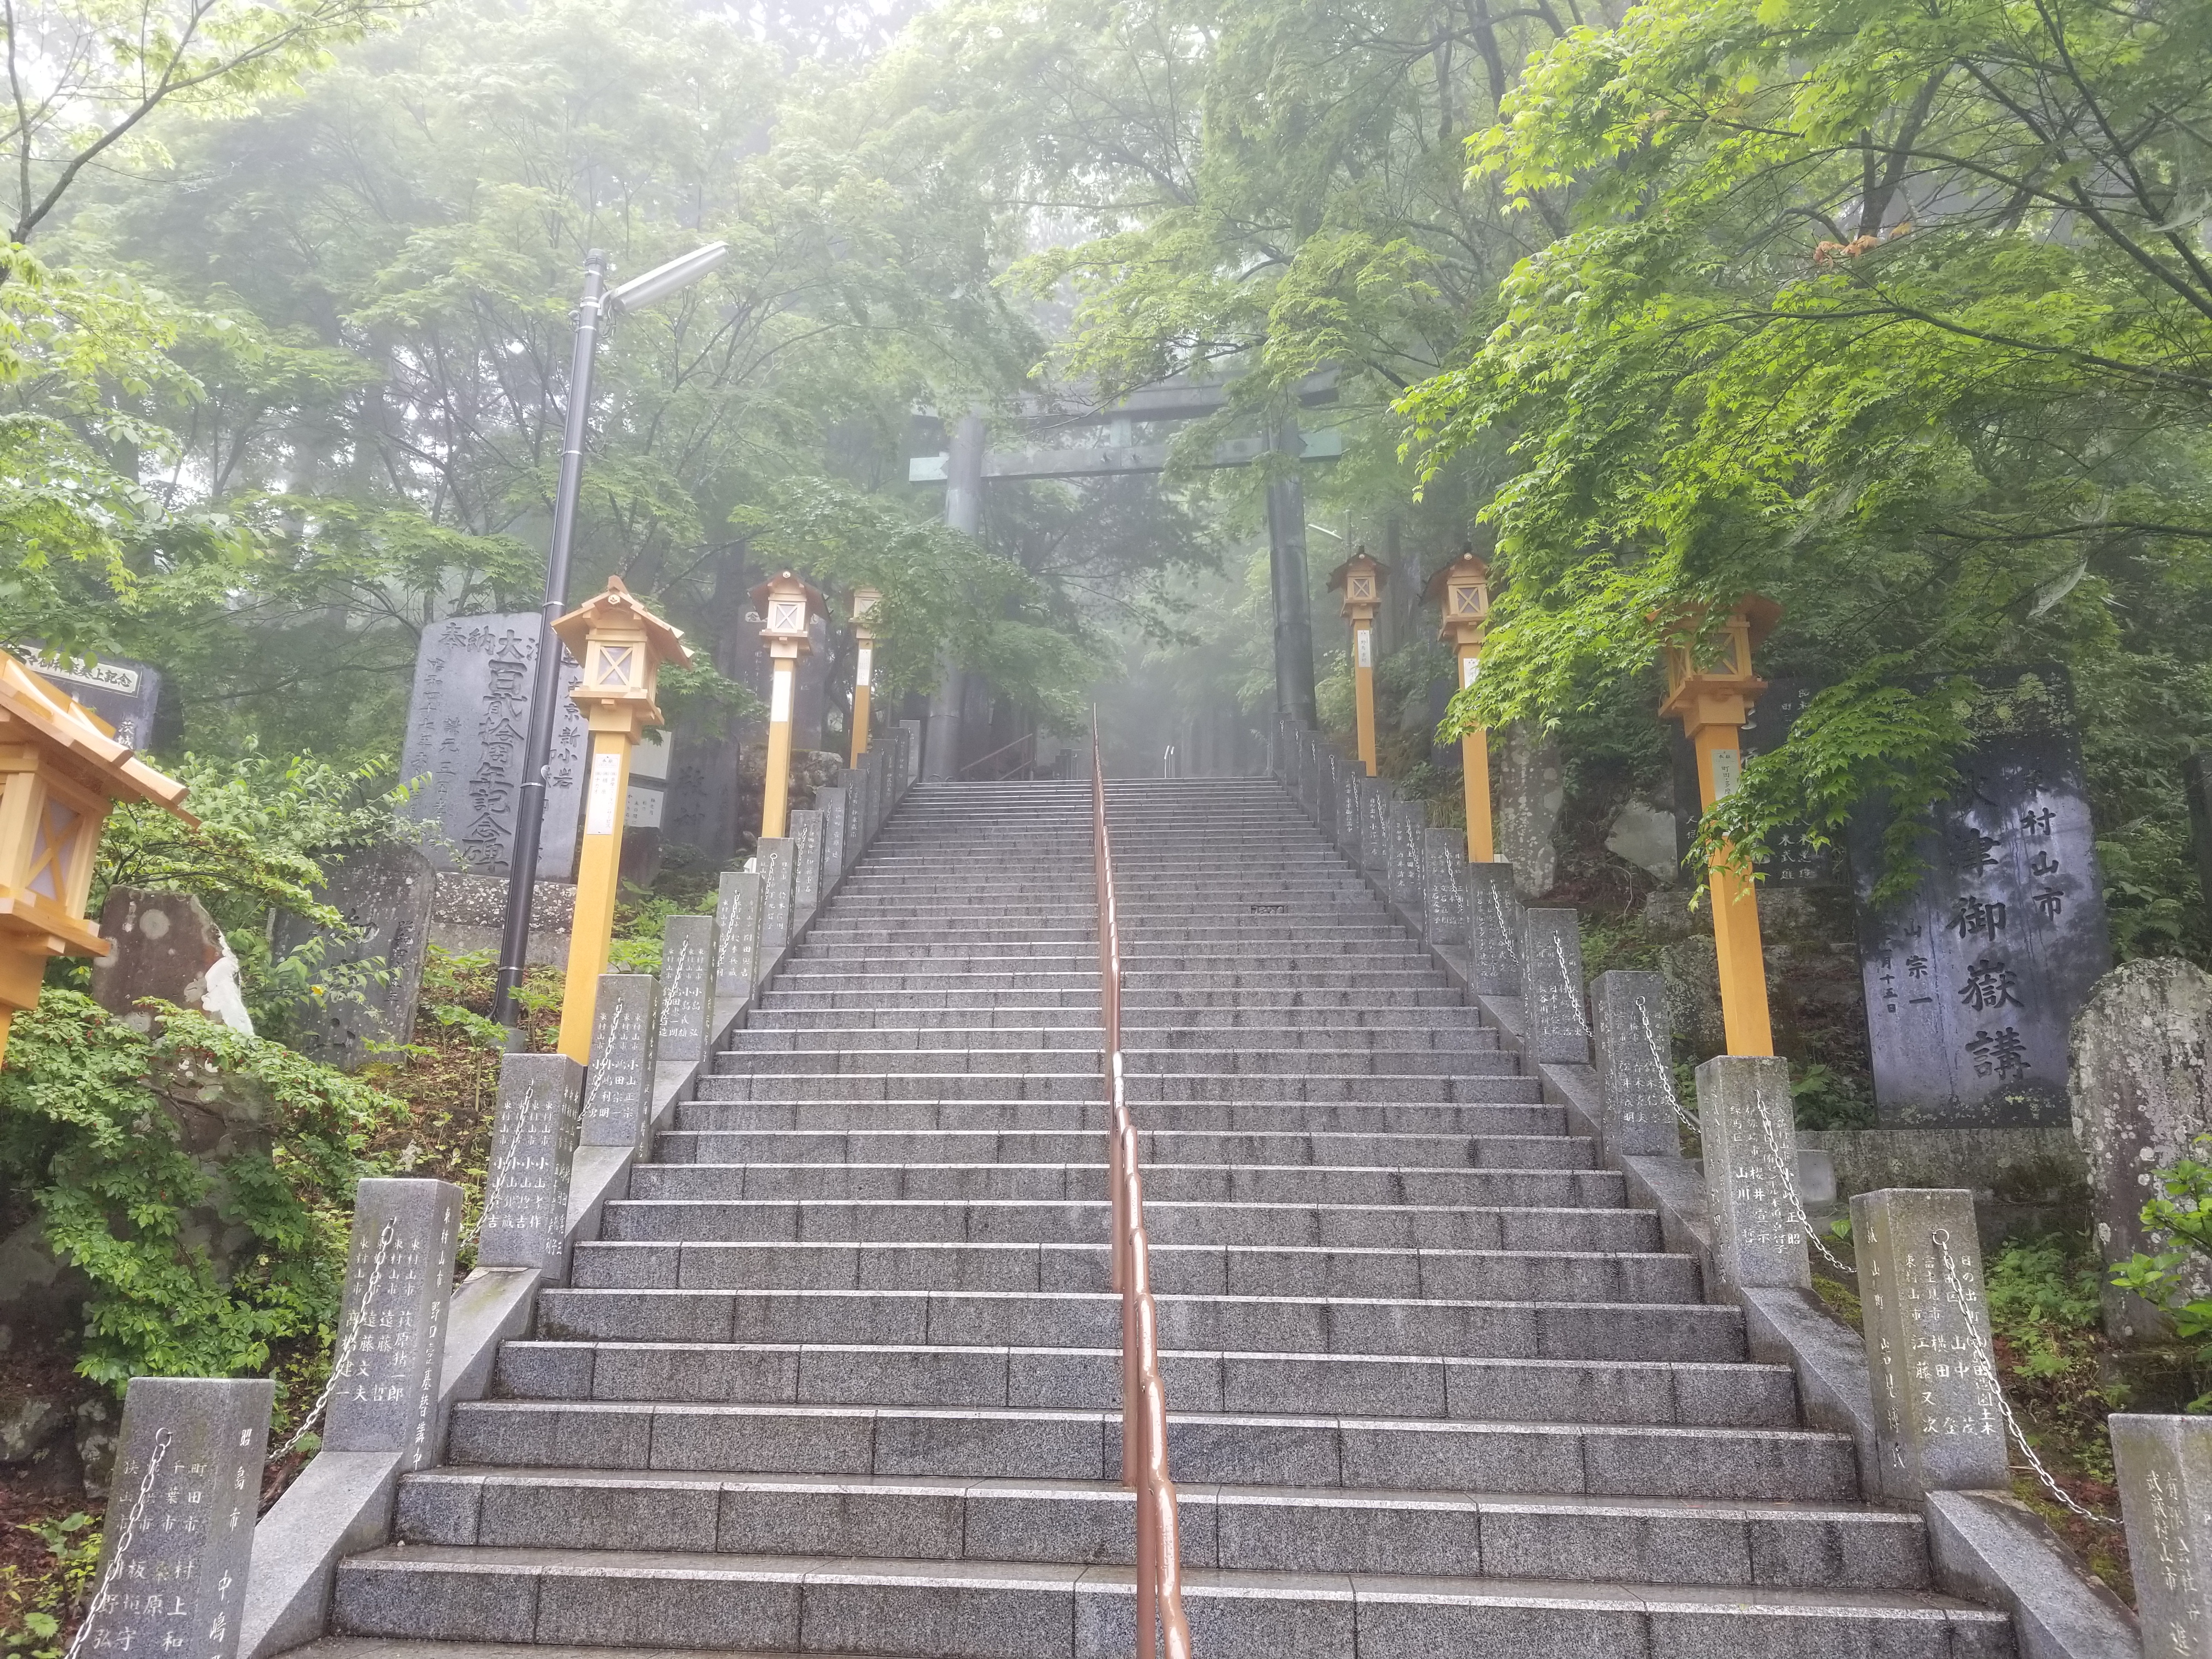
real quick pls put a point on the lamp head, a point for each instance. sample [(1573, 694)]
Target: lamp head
[(663, 280)]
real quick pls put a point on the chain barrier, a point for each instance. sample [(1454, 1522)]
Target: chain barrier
[(1987, 1367), (1783, 1168), (344, 1354), (1504, 927), (1767, 1128), (137, 1513), (1665, 1069)]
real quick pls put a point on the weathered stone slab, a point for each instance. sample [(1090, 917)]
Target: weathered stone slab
[(618, 1083), (467, 723), (1375, 828), (1531, 796), (737, 933), (1328, 789), (2164, 1466), (831, 803), (1972, 981), (1350, 813), (398, 1279), (1937, 1424), (167, 947), (1494, 929), (193, 1446), (1443, 894), (1751, 1155), (533, 1144), (686, 1028), (1634, 1058), (805, 865), (386, 895), (1552, 987), (702, 808), (777, 862), (2142, 1095)]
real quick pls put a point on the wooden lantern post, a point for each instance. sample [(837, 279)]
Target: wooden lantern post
[(622, 645), (1463, 588), (1361, 578), (1712, 700), (61, 772), (787, 606), (865, 599)]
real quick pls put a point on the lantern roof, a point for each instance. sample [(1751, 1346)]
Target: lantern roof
[(1468, 564), (616, 608), (58, 719), (1757, 612), (815, 605), (1360, 556)]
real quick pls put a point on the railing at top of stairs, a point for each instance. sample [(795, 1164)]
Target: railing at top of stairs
[(1144, 1401)]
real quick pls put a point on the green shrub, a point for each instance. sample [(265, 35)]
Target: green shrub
[(94, 1128), (2171, 1278)]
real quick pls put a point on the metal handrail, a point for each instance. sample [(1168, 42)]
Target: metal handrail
[(1144, 1401), (1029, 737)]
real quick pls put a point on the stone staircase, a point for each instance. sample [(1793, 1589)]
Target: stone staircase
[(842, 1374)]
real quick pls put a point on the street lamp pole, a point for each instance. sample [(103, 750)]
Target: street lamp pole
[(538, 747)]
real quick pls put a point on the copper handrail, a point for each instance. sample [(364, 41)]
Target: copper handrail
[(1144, 1401)]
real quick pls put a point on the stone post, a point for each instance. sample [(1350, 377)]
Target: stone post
[(805, 868), (1375, 829), (618, 1083), (399, 1279), (1406, 823), (1634, 1056), (1444, 896), (1349, 814), (1326, 790), (1936, 1422), (854, 789), (832, 805), (909, 754), (871, 769), (687, 990), (2165, 1467), (1494, 929), (194, 1446), (778, 865), (738, 910), (533, 1142), (1551, 988), (1751, 1177)]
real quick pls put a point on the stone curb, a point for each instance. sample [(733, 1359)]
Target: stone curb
[(341, 1504), (1984, 1547)]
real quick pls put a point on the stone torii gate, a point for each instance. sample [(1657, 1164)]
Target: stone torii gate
[(967, 466)]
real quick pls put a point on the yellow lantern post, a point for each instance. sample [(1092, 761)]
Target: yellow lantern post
[(61, 772), (622, 645), (1712, 701), (1463, 588), (865, 599), (1361, 578), (785, 604)]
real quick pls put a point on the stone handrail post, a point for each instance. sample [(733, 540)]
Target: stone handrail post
[(525, 1220), (2165, 1467), (1552, 987), (1938, 1420), (1633, 1051), (1750, 1142), (391, 1321)]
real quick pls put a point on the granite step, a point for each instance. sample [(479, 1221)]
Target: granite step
[(1313, 1450), (1274, 1529)]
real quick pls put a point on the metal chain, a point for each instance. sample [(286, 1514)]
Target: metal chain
[(1567, 978), (137, 1513), (344, 1351), (1667, 1073), (1504, 927), (1987, 1367), (1789, 1173)]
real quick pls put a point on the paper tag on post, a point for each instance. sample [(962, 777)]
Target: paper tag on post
[(1728, 772), (606, 794), (866, 673), (779, 695), (1366, 648), (1469, 668)]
